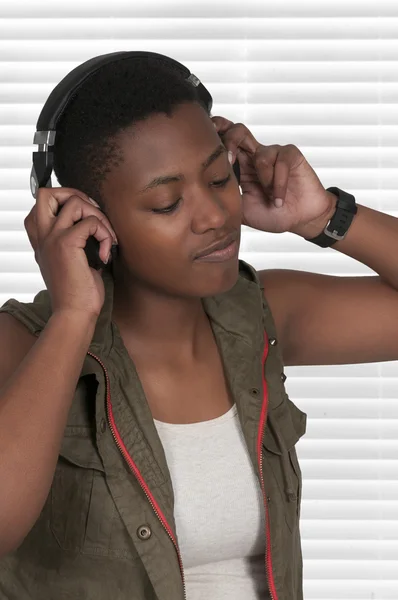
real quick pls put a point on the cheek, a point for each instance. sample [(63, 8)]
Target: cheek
[(157, 243)]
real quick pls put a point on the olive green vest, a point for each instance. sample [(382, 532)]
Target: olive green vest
[(107, 530)]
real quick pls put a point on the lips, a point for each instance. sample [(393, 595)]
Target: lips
[(218, 245)]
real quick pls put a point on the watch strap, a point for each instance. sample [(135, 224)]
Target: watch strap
[(338, 226)]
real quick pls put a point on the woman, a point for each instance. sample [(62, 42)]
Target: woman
[(146, 437)]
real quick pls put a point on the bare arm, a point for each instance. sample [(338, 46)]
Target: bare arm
[(336, 320), (38, 377)]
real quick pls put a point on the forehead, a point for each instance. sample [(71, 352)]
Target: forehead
[(161, 145), (157, 140)]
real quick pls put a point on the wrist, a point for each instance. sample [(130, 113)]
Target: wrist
[(315, 227)]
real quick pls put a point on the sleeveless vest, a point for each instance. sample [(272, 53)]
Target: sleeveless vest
[(107, 529)]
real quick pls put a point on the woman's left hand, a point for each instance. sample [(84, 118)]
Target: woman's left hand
[(280, 190)]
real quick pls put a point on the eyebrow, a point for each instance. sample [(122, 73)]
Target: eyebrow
[(164, 179)]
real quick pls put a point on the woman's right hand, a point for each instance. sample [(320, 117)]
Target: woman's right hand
[(59, 238)]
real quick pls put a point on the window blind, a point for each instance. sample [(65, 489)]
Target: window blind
[(323, 76)]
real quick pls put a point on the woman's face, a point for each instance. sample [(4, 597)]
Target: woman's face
[(163, 224)]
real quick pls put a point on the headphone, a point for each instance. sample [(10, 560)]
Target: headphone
[(57, 103)]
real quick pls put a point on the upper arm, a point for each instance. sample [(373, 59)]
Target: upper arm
[(15, 343), (324, 319)]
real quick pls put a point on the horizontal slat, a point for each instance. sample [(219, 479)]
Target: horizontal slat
[(348, 570), (338, 371), (343, 489), (350, 551), (154, 8), (368, 529), (353, 429), (300, 50), (343, 469), (352, 408), (336, 588), (328, 449), (354, 387), (357, 510), (199, 27)]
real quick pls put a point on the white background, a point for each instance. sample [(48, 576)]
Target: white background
[(319, 74)]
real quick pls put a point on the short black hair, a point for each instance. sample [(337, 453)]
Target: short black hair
[(110, 101)]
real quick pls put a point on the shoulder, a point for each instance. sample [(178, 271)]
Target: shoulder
[(20, 325), (279, 288), (292, 297)]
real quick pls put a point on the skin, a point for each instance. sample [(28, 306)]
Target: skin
[(158, 282), (159, 286), (320, 319)]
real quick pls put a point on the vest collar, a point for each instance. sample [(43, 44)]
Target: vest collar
[(235, 311)]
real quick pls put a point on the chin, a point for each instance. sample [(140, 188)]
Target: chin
[(218, 278)]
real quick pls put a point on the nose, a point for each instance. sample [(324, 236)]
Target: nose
[(211, 212)]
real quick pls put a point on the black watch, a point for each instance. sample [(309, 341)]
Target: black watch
[(337, 227)]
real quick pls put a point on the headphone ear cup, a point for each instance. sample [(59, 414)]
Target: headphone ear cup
[(236, 169), (92, 249)]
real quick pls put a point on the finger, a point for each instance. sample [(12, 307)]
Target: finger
[(221, 124), (90, 226), (273, 165), (31, 228), (264, 164), (234, 135), (30, 222), (75, 210), (281, 178), (49, 203), (239, 137), (289, 158), (101, 215)]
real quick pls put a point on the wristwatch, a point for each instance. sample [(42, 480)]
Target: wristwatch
[(337, 227)]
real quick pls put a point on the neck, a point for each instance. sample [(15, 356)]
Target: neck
[(168, 326)]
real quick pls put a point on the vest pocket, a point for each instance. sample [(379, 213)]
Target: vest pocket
[(286, 424), (83, 515)]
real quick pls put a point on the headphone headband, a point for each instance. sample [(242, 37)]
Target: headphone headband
[(61, 95)]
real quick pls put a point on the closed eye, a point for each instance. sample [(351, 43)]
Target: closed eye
[(222, 182), (169, 209)]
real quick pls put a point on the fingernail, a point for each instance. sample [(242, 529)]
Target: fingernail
[(109, 257), (278, 202), (230, 157), (94, 202)]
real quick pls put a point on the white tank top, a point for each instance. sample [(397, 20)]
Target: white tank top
[(218, 509)]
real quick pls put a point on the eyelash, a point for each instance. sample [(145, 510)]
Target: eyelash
[(170, 209)]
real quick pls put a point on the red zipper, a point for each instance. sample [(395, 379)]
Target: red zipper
[(157, 510), (261, 429), (133, 467)]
